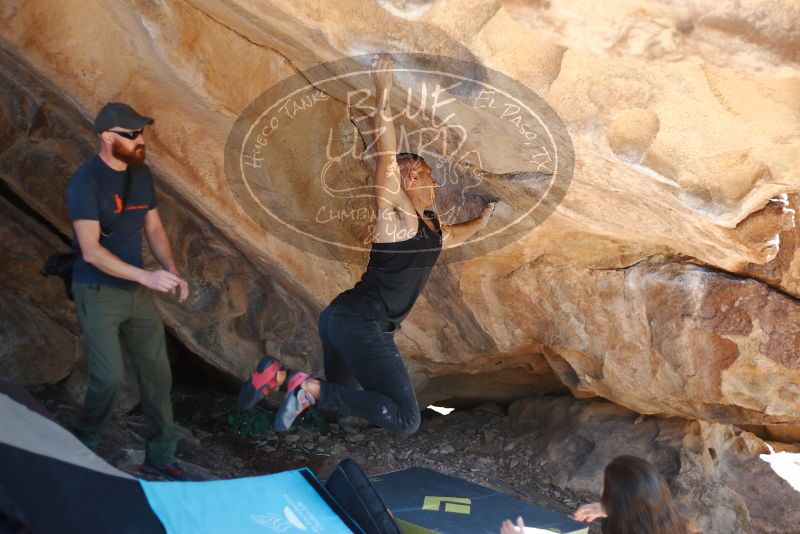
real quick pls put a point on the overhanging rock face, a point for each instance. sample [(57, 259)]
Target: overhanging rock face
[(644, 285)]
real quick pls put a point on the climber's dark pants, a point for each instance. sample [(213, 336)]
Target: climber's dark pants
[(365, 374)]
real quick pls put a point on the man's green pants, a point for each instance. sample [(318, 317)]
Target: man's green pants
[(113, 319)]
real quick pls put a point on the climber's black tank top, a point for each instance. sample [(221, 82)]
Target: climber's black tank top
[(396, 275)]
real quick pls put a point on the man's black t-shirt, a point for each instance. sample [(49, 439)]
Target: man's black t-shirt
[(95, 193)]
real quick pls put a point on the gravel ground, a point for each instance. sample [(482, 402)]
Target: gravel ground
[(479, 445)]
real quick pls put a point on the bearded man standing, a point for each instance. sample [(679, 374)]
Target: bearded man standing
[(111, 199)]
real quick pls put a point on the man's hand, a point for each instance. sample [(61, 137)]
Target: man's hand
[(182, 289), (168, 280), (382, 74), (509, 528), (589, 512), (161, 280)]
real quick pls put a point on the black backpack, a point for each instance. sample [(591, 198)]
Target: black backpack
[(353, 491)]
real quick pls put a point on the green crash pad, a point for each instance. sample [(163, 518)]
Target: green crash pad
[(424, 501)]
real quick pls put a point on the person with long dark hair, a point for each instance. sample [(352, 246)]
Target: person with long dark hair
[(636, 500)]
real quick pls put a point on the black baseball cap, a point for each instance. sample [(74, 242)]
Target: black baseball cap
[(117, 114)]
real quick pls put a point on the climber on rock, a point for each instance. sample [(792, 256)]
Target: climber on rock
[(364, 373)]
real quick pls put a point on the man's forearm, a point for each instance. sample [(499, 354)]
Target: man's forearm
[(109, 263), (159, 246)]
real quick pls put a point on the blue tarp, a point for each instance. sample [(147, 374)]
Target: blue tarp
[(284, 502)]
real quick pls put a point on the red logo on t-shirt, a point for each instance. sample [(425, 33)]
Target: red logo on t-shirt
[(118, 203)]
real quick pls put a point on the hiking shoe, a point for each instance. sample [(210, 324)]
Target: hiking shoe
[(294, 403), (263, 380), (172, 471)]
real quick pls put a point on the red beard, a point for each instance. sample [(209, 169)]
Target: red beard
[(131, 157)]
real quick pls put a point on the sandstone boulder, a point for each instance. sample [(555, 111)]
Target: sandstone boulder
[(643, 285), (38, 333)]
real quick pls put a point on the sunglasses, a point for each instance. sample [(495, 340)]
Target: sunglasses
[(128, 135)]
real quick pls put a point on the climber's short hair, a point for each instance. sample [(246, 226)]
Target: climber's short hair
[(407, 161)]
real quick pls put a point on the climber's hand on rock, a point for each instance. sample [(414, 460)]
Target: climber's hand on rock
[(486, 213), (382, 71)]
